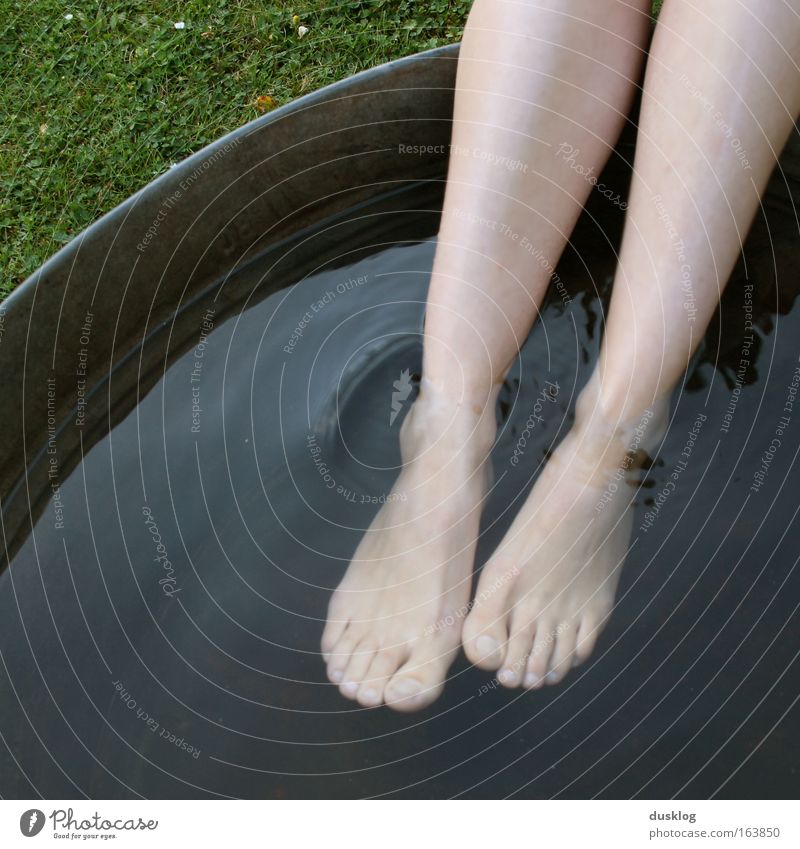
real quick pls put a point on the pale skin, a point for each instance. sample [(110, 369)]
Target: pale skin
[(536, 80)]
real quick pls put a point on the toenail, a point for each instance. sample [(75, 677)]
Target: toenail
[(336, 676), (405, 688), (371, 695), (486, 646), (531, 679), (506, 676), (349, 688), (551, 677)]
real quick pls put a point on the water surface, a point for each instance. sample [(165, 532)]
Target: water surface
[(162, 617)]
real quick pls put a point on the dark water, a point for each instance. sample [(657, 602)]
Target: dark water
[(261, 455)]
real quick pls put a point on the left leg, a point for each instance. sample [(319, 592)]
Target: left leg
[(721, 80)]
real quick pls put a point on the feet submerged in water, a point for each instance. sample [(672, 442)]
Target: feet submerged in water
[(547, 591), (394, 623), (397, 620)]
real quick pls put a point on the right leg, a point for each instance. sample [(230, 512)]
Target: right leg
[(721, 95), (533, 77)]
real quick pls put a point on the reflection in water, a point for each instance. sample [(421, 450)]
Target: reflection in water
[(162, 640)]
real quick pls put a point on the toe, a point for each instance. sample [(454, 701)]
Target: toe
[(417, 683), (485, 647), (561, 658), (360, 661), (330, 637), (485, 632), (339, 656), (335, 626), (512, 670), (541, 652), (383, 666), (588, 632)]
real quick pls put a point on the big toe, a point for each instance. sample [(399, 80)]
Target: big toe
[(485, 635), (486, 649)]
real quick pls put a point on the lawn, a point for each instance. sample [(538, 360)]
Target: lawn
[(98, 97)]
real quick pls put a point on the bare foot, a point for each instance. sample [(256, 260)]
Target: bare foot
[(394, 623), (547, 591)]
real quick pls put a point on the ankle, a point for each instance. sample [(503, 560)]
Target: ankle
[(613, 438), (466, 422), (462, 400)]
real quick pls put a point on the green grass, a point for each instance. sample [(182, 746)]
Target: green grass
[(96, 106)]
